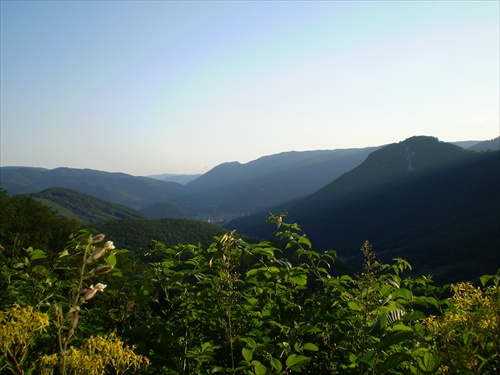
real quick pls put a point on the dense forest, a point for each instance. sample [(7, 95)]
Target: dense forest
[(73, 303)]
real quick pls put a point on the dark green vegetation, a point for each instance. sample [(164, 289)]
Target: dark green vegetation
[(26, 222), (432, 203), (84, 207), (167, 209), (236, 308), (138, 233)]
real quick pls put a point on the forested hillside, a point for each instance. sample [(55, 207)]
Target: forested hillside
[(429, 202), (29, 221), (135, 192), (84, 207), (25, 222), (139, 233)]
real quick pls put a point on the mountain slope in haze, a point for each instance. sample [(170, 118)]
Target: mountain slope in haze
[(491, 145), (274, 179), (178, 178), (465, 144), (135, 192), (227, 190), (432, 203), (84, 207)]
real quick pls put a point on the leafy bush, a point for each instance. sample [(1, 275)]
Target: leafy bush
[(239, 308)]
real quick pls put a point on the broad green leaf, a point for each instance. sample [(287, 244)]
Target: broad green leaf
[(274, 269), (369, 358), (401, 327), (298, 279), (311, 329), (403, 293), (269, 252), (304, 240), (116, 273), (346, 278), (392, 362), (295, 359), (353, 306), (247, 354), (385, 290), (259, 368), (252, 301), (38, 254), (111, 260), (419, 329), (276, 364), (250, 342), (310, 346), (429, 362), (178, 276), (413, 316), (255, 271), (484, 279)]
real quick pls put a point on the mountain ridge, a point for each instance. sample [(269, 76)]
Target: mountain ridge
[(443, 205)]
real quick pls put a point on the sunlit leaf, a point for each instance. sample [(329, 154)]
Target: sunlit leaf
[(38, 254), (259, 368), (294, 359), (310, 346), (247, 354), (276, 364)]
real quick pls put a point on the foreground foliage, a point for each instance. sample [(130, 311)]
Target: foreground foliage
[(237, 308)]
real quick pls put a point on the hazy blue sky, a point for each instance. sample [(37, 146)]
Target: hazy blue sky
[(179, 87)]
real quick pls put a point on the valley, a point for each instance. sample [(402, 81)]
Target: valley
[(431, 202)]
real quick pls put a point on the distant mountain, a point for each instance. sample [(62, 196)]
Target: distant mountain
[(83, 207), (227, 190), (135, 192), (465, 144), (430, 202), (491, 145), (274, 179), (179, 178)]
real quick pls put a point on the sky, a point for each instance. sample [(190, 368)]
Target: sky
[(151, 87)]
